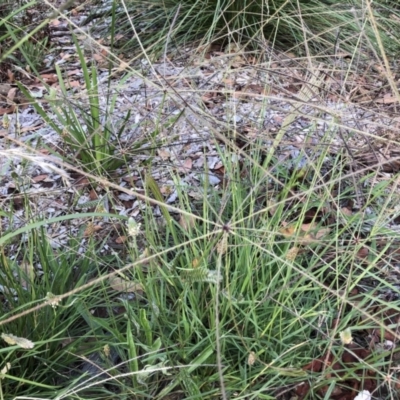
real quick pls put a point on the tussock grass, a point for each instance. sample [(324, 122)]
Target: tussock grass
[(318, 28)]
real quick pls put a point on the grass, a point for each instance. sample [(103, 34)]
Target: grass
[(249, 283), (305, 27)]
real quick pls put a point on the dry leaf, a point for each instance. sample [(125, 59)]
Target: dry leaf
[(164, 154), (387, 99), (321, 233), (77, 72), (40, 178), (93, 195), (305, 234), (81, 182), (122, 66), (346, 211), (186, 166), (11, 76), (121, 239), (73, 84), (49, 78), (91, 229), (11, 95), (55, 22), (363, 252)]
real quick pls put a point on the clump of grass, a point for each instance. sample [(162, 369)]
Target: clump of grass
[(230, 303), (305, 27)]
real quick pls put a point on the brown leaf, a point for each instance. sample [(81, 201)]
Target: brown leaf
[(306, 234), (186, 166), (346, 211), (77, 72), (49, 78), (82, 182), (363, 252), (91, 229), (164, 154), (93, 195), (55, 22), (314, 365), (8, 110), (121, 239), (11, 76), (73, 84), (387, 99), (11, 95), (40, 178)]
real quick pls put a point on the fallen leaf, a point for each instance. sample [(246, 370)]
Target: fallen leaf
[(347, 212), (11, 95), (81, 182), (40, 178), (164, 154), (305, 234), (186, 166), (121, 239), (73, 84), (74, 72), (11, 76), (122, 66), (387, 99), (363, 252), (93, 195), (8, 110), (55, 22), (31, 128), (49, 78), (91, 229)]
